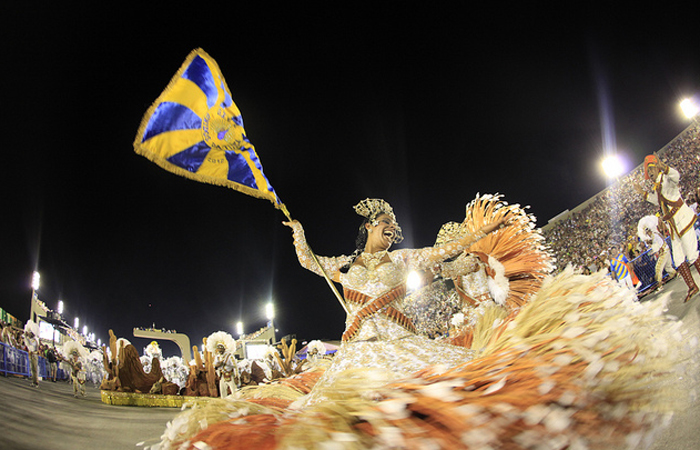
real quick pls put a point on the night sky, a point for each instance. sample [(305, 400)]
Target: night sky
[(423, 107)]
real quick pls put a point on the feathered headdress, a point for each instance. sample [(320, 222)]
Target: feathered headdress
[(31, 327), (72, 348), (316, 345), (221, 338), (153, 350), (270, 351)]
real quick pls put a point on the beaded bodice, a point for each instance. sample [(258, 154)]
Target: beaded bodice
[(375, 282)]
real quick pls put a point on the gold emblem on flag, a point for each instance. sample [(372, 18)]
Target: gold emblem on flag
[(220, 131)]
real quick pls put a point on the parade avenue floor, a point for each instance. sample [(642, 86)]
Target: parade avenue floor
[(51, 418)]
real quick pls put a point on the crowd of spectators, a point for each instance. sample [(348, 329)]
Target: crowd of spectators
[(14, 337), (587, 237)]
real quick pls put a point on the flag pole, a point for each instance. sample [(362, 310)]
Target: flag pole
[(325, 275)]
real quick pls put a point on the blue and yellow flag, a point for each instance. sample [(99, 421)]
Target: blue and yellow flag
[(195, 130)]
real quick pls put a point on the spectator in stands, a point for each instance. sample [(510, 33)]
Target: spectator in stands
[(53, 362), (6, 335), (620, 269), (19, 340)]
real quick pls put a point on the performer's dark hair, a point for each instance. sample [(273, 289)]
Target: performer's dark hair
[(360, 242)]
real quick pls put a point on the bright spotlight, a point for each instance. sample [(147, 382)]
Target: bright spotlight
[(35, 280), (269, 311), (414, 280), (689, 108), (76, 323), (612, 166), (239, 328), (60, 306), (85, 330)]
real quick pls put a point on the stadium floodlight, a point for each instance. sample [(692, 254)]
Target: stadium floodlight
[(60, 306), (85, 330), (612, 166), (239, 328), (269, 311), (76, 323), (690, 108), (35, 280)]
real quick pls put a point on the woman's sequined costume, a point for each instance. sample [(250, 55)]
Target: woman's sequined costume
[(378, 333)]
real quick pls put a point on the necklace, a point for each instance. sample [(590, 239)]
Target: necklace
[(372, 260)]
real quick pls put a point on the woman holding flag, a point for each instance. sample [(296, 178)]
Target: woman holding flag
[(378, 334)]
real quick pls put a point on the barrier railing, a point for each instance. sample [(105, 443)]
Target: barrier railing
[(14, 361), (644, 266)]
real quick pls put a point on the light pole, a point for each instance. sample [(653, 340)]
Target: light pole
[(270, 314), (36, 278), (239, 329)]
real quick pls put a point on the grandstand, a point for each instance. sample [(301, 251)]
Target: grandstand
[(584, 235)]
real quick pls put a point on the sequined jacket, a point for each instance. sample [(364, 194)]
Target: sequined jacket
[(375, 299)]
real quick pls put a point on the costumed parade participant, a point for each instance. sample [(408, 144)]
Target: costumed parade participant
[(75, 355), (378, 334), (31, 341), (222, 346), (678, 217), (315, 351), (648, 232)]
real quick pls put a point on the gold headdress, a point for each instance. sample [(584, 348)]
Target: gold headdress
[(370, 208)]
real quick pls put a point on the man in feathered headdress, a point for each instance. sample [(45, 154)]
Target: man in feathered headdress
[(678, 217), (222, 346), (74, 352), (31, 340)]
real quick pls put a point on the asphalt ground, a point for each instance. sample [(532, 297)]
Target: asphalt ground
[(51, 418)]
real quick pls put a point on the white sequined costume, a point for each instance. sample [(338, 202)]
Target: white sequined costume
[(227, 370), (378, 335)]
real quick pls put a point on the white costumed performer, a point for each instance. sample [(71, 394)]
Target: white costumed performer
[(676, 214), (222, 346), (648, 232)]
